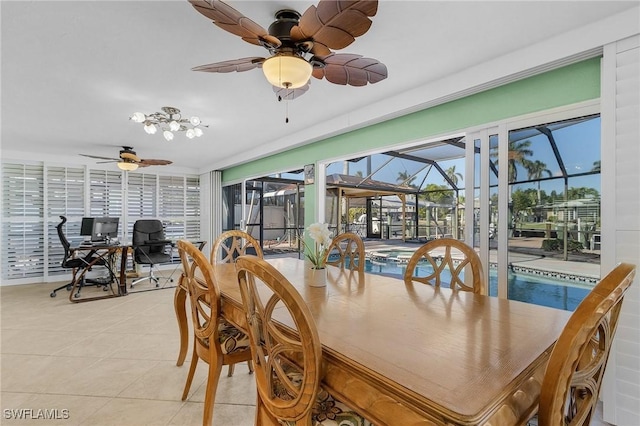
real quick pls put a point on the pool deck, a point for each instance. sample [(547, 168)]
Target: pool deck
[(526, 257)]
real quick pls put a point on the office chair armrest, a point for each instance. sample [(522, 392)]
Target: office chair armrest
[(156, 242)]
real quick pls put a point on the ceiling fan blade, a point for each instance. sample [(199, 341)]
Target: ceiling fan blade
[(100, 158), (151, 162), (290, 94), (352, 70), (229, 19), (334, 24), (239, 65)]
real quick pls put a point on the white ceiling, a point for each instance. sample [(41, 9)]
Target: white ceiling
[(74, 71)]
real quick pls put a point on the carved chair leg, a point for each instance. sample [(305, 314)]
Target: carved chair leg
[(192, 370), (215, 368), (179, 304)]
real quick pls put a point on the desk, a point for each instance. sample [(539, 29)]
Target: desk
[(411, 354), (106, 252)]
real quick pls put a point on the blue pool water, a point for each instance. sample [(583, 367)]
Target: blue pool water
[(543, 291)]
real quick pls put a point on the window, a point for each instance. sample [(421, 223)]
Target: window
[(65, 197), (35, 196), (22, 221), (554, 209)]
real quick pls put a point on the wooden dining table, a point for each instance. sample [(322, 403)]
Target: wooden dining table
[(413, 354)]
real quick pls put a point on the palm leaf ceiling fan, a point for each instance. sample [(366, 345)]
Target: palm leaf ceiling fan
[(301, 45), (128, 160)]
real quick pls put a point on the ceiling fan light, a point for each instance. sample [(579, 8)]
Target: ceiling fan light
[(150, 128), (195, 121), (138, 117), (197, 131), (191, 134), (127, 165), (287, 71), (167, 135), (174, 126)]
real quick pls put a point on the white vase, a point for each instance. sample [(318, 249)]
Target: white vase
[(316, 277)]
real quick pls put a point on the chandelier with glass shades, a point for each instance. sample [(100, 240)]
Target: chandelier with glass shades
[(169, 121)]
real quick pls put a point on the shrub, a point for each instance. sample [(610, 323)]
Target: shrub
[(551, 244), (556, 244)]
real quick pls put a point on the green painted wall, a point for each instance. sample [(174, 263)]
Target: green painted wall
[(564, 86)]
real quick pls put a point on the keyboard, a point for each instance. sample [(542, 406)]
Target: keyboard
[(89, 244)]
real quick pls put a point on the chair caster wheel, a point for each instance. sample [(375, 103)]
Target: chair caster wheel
[(53, 294), (69, 287), (77, 295), (105, 288)]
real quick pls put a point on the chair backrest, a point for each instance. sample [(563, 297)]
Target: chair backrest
[(231, 244), (574, 373), (203, 293), (349, 249), (287, 390), (448, 254), (148, 230), (63, 240)]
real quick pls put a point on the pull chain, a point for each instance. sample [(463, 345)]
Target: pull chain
[(286, 107), (287, 94)]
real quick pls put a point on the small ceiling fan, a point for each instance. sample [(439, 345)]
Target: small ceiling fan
[(301, 45), (128, 160)]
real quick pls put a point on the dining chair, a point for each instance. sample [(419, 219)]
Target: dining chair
[(180, 307), (226, 248), (346, 251), (448, 254), (577, 363), (215, 341), (287, 360), (231, 244)]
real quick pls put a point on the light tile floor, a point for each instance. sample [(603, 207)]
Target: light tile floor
[(106, 362)]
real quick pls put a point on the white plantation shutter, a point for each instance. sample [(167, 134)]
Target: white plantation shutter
[(142, 198), (35, 196), (22, 221), (106, 195), (171, 205), (621, 203), (192, 213), (65, 197)]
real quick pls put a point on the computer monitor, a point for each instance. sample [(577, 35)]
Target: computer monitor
[(105, 228), (86, 228)]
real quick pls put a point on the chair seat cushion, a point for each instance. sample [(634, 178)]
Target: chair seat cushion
[(327, 411), (152, 258), (231, 339)]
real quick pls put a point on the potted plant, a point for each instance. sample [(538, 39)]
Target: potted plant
[(316, 253)]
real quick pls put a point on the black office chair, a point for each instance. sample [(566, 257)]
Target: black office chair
[(77, 264), (149, 247)]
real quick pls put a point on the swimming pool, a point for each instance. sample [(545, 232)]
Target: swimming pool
[(545, 291)]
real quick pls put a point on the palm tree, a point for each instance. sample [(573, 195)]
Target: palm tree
[(453, 175), (406, 178), (518, 153), (535, 170)]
